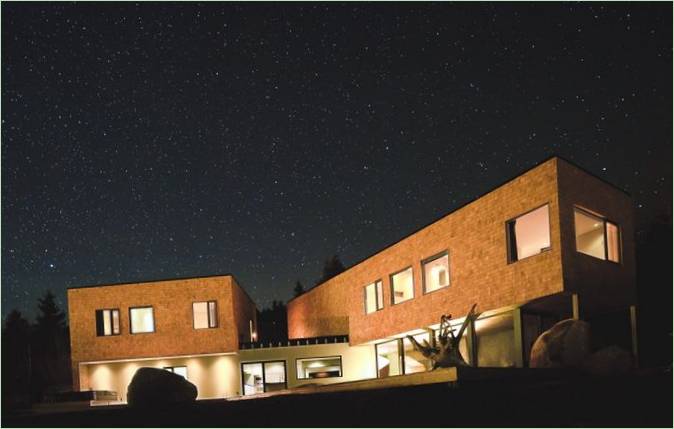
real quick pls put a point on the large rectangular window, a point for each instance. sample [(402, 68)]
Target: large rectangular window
[(205, 314), (495, 341), (464, 348), (402, 286), (389, 361), (374, 299), (259, 377), (436, 272), (107, 322), (528, 234), (413, 360), (326, 367), (141, 320), (595, 236)]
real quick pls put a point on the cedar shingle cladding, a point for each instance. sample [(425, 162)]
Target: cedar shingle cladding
[(475, 237), (601, 285), (174, 333)]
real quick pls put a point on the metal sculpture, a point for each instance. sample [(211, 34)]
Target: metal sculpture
[(446, 352)]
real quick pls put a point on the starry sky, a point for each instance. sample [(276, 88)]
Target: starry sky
[(146, 141)]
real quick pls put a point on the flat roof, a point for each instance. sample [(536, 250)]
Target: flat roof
[(153, 281), (505, 182)]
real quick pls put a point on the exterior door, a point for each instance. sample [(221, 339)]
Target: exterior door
[(260, 377)]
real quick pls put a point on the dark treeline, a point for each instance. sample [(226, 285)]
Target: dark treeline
[(654, 293), (272, 321), (35, 357)]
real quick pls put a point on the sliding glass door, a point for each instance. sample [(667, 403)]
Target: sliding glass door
[(260, 377)]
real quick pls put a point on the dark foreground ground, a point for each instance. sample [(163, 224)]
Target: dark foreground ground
[(635, 401)]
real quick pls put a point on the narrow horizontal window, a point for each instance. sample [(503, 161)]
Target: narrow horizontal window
[(180, 370), (326, 367), (529, 234), (107, 322)]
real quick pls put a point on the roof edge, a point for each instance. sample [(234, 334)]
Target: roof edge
[(505, 182)]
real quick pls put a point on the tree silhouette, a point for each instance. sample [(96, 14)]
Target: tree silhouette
[(50, 347), (272, 323), (16, 361), (331, 268), (299, 288), (654, 292)]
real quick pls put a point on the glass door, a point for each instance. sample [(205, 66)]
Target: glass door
[(260, 377)]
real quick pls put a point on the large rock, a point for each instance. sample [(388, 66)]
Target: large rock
[(154, 386), (611, 360), (565, 345)]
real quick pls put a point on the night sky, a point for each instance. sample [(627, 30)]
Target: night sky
[(157, 140)]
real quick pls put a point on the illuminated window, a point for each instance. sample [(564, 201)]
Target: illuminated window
[(436, 272), (389, 361), (398, 357), (495, 341), (180, 370), (326, 367), (529, 234), (402, 286), (205, 314), (142, 320), (251, 331), (107, 322), (595, 236), (413, 360), (374, 298)]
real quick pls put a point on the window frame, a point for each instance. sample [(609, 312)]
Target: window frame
[(154, 322), (119, 318), (172, 369), (605, 221), (341, 366), (401, 358), (423, 271), (390, 280), (509, 242), (208, 314), (376, 298), (264, 373)]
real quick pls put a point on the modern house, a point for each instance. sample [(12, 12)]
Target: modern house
[(553, 243)]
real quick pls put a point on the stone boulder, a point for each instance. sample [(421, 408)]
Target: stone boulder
[(155, 386), (565, 345), (611, 360)]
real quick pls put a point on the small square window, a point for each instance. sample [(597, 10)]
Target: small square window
[(595, 236), (436, 272), (141, 320), (528, 234), (374, 299), (205, 314), (107, 322), (402, 286)]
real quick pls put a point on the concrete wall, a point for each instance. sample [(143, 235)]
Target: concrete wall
[(174, 333), (214, 376), (601, 285), (475, 239), (357, 362)]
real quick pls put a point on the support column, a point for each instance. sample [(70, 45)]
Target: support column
[(633, 326), (575, 308), (517, 328)]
